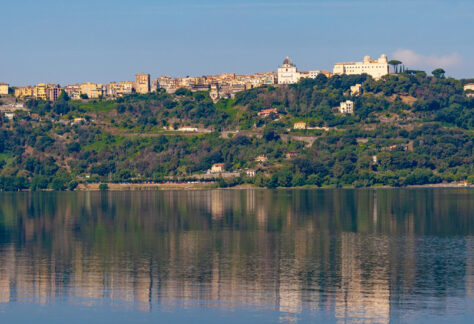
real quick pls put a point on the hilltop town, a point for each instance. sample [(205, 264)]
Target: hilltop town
[(219, 86), (367, 123)]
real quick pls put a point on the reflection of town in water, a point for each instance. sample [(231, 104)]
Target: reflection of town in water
[(357, 254)]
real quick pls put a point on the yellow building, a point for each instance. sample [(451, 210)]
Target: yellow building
[(299, 125), (73, 91), (125, 88), (3, 88), (40, 91), (142, 83), (23, 92), (218, 168), (91, 90)]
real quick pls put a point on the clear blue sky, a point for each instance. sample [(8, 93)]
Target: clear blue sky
[(104, 40)]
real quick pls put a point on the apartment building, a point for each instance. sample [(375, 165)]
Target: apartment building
[(92, 90), (40, 91), (73, 91), (53, 91), (125, 88), (142, 83), (24, 92), (375, 68)]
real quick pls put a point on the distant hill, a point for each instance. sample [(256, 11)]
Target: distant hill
[(406, 129)]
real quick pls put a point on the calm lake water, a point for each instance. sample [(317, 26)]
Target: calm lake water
[(257, 256)]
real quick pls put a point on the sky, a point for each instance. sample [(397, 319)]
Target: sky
[(111, 40)]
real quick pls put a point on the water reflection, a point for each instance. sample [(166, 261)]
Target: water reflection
[(354, 254)]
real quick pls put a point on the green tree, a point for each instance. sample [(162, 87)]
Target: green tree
[(395, 64), (438, 73), (63, 96)]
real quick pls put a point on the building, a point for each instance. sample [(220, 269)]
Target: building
[(142, 83), (73, 91), (218, 168), (251, 173), (287, 72), (125, 88), (25, 92), (3, 88), (346, 107), (308, 74), (261, 158), (374, 68), (267, 112), (40, 91), (53, 91), (299, 125), (356, 89), (469, 89), (9, 116), (326, 73), (291, 154), (91, 90)]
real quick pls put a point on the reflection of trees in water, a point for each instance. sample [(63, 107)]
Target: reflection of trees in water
[(354, 251)]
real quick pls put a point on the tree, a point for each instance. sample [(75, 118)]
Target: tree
[(63, 96), (395, 64), (438, 73)]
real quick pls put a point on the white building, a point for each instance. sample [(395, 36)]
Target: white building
[(469, 90), (346, 107), (375, 68), (287, 73)]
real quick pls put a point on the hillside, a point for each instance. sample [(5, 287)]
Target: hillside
[(406, 129)]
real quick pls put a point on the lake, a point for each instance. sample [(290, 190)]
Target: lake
[(256, 256)]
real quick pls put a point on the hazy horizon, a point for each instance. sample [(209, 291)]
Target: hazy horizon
[(103, 41)]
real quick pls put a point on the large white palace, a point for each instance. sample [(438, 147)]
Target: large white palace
[(375, 68), (288, 74)]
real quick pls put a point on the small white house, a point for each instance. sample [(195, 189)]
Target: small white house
[(346, 107)]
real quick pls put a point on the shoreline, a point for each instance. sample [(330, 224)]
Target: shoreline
[(210, 186), (91, 187)]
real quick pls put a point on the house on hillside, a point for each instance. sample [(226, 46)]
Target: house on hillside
[(267, 112), (346, 107), (251, 173), (356, 90), (217, 168), (299, 125), (261, 158), (291, 154)]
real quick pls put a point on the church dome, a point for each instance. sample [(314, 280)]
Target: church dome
[(287, 61)]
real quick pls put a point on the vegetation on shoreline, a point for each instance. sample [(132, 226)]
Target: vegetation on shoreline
[(407, 129)]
